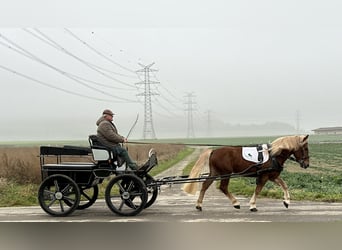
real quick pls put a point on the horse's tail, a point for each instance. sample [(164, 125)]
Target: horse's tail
[(192, 187)]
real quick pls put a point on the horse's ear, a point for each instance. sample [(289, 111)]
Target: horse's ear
[(305, 138)]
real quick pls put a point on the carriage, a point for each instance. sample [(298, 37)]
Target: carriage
[(68, 186)]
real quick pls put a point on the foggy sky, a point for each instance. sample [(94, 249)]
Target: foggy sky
[(245, 62)]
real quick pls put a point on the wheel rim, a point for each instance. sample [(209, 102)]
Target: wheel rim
[(126, 195), (58, 195)]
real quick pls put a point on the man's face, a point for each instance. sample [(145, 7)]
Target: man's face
[(109, 117)]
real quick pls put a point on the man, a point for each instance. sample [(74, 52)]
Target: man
[(108, 134)]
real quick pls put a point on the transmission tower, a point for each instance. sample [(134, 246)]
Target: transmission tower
[(190, 108), (148, 130)]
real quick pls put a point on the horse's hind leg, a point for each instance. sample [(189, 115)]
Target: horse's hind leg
[(205, 185), (224, 188)]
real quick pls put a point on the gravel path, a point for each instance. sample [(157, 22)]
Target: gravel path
[(177, 169)]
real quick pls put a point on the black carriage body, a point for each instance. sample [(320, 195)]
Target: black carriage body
[(81, 173)]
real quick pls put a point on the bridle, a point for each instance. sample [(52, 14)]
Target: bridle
[(302, 160)]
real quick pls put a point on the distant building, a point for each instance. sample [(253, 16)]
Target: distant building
[(328, 131)]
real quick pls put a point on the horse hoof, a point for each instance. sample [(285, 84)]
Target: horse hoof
[(286, 204), (199, 208), (237, 206), (253, 209)]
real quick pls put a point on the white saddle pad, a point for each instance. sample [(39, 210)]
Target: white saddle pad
[(251, 153)]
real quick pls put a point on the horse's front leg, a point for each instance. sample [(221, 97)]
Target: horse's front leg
[(285, 189), (260, 184)]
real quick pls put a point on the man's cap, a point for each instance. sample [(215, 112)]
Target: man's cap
[(107, 112)]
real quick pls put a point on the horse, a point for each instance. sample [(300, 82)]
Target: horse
[(227, 161)]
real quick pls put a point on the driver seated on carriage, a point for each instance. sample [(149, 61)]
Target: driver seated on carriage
[(109, 136)]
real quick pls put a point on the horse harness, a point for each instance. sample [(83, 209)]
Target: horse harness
[(300, 161), (275, 166)]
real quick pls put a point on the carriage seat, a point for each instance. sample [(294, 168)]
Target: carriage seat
[(99, 150)]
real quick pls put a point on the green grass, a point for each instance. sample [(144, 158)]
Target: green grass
[(13, 194)]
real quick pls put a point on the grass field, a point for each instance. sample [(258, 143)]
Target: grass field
[(20, 169)]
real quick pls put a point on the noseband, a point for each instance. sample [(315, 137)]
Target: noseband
[(300, 161)]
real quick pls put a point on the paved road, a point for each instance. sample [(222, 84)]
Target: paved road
[(173, 205)]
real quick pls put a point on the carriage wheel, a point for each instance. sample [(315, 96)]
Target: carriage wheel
[(126, 195), (58, 195), (152, 191), (88, 197)]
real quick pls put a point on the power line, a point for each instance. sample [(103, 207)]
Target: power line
[(168, 100), (88, 64), (53, 86), (167, 90), (24, 52), (82, 78), (52, 43), (165, 108), (97, 52)]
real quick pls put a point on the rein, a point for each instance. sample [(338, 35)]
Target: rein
[(178, 143), (185, 144)]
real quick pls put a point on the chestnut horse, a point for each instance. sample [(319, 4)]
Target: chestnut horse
[(227, 162)]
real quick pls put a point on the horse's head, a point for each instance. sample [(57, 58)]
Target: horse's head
[(301, 155)]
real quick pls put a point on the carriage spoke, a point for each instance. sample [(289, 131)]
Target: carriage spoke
[(115, 196), (85, 195), (131, 185), (64, 191), (135, 194), (56, 185), (121, 205), (52, 202), (61, 205), (132, 205), (69, 199), (121, 187)]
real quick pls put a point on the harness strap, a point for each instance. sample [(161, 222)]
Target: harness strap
[(260, 153), (274, 167)]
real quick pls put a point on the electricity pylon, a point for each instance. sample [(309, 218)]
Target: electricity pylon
[(190, 109), (148, 130)]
